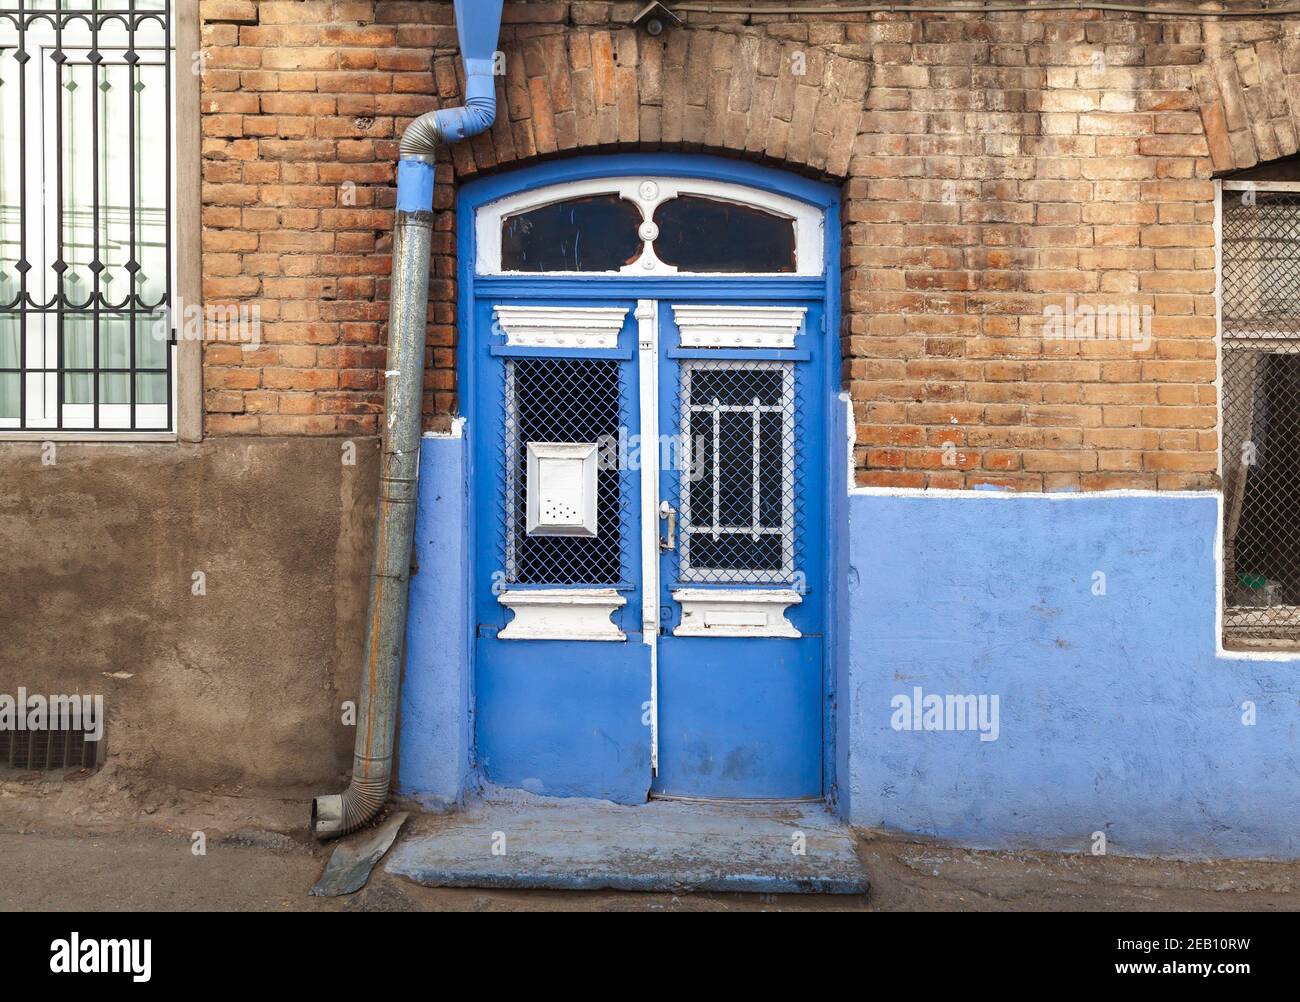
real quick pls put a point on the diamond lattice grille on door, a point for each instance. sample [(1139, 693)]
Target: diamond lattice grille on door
[(1261, 415), (557, 400), (735, 472)]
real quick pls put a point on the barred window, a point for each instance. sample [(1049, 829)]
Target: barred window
[(1261, 415), (86, 242), (738, 496)]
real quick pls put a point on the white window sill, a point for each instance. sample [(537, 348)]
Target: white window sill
[(36, 435)]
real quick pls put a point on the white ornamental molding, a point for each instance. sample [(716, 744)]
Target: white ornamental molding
[(562, 614), (716, 612), (560, 326), (739, 326)]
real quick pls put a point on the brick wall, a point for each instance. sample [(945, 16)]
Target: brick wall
[(995, 169)]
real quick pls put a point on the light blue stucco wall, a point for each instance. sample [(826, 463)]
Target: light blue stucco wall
[(1116, 715), (434, 739), (1115, 712)]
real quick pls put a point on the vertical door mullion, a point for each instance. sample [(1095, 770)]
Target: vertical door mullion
[(647, 318)]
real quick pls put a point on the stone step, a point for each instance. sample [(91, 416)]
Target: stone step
[(675, 846)]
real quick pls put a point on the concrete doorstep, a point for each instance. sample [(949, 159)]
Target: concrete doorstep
[(675, 846)]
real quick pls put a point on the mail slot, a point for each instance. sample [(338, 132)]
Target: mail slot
[(561, 489)]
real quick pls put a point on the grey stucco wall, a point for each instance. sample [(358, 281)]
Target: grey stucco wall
[(239, 688)]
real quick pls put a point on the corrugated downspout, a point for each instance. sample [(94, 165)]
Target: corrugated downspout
[(477, 23)]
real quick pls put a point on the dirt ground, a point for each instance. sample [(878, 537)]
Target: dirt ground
[(111, 843)]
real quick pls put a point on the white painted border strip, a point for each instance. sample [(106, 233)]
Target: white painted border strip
[(1002, 495), (457, 430)]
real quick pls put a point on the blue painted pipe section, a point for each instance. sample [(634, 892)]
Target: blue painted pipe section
[(478, 22), (480, 110), (414, 185)]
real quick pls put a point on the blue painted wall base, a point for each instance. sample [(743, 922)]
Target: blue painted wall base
[(1115, 713), (434, 739)]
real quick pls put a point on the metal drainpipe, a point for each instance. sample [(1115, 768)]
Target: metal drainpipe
[(477, 24)]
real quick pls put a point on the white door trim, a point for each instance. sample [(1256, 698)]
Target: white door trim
[(647, 318)]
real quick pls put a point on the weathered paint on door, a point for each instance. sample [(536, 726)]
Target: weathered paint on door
[(741, 717), (725, 716)]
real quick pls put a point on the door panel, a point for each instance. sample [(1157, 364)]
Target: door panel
[(562, 717), (734, 676), (739, 718), (740, 649)]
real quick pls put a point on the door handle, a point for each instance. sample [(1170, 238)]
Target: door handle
[(668, 540)]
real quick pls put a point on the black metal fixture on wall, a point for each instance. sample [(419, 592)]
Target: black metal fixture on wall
[(654, 17)]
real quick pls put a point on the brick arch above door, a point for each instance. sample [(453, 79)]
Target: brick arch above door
[(746, 93), (1249, 94)]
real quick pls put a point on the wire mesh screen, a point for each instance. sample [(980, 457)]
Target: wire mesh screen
[(1261, 416), (564, 400), (736, 484)]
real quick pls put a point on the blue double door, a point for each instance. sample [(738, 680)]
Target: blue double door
[(672, 644)]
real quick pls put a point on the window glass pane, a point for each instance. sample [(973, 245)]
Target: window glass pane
[(79, 341), (10, 350), (704, 234), (78, 388), (149, 93), (596, 233), (114, 350), (151, 388), (9, 394), (115, 388), (151, 345), (10, 169)]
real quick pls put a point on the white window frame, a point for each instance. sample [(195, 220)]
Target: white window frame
[(186, 384)]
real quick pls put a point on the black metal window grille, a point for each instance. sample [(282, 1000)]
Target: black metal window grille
[(555, 400), (1261, 417), (48, 749), (86, 195), (738, 494)]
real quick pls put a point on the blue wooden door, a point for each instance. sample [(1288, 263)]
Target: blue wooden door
[(654, 626), (559, 711), (742, 526)]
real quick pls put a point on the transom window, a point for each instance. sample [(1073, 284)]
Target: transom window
[(649, 226), (85, 215)]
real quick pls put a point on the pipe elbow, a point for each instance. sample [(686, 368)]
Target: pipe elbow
[(478, 115), (420, 139), (340, 814), (480, 108)]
